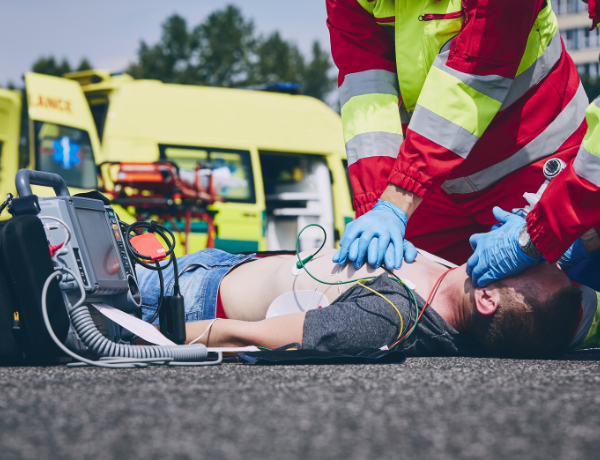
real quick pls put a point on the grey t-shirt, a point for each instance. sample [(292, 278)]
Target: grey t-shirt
[(359, 319)]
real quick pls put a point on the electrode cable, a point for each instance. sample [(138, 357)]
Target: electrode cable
[(302, 264)]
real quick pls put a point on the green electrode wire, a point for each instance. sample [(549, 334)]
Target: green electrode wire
[(302, 264)]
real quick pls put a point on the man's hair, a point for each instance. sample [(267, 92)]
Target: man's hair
[(523, 326)]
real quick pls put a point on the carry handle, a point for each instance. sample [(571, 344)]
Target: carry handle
[(26, 177)]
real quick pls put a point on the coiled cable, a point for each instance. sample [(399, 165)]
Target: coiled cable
[(143, 260), (125, 356)]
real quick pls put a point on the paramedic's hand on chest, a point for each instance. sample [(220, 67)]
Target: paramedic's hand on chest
[(379, 233)]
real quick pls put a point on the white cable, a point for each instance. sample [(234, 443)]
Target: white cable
[(57, 341), (65, 226), (204, 333), (123, 356)]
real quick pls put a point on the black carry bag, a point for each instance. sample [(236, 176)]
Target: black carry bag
[(25, 264), (294, 354)]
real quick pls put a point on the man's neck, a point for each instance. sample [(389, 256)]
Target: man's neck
[(450, 300)]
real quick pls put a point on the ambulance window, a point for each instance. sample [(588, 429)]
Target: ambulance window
[(231, 169), (67, 152)]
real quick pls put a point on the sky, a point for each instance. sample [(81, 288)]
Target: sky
[(108, 32)]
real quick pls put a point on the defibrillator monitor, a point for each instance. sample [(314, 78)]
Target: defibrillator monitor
[(98, 249), (100, 244)]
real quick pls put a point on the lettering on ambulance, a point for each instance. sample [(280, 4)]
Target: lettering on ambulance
[(50, 103), (587, 162)]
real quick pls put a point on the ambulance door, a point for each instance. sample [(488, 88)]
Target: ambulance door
[(298, 192), (63, 137), (10, 121)]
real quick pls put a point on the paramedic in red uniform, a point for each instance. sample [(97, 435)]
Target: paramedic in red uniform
[(450, 108)]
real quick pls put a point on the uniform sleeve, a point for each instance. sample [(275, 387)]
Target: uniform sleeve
[(463, 92), (570, 205), (363, 51)]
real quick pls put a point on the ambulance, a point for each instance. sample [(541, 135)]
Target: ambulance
[(284, 154)]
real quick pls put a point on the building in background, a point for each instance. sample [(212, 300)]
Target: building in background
[(582, 45)]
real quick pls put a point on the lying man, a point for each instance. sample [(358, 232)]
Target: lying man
[(531, 315)]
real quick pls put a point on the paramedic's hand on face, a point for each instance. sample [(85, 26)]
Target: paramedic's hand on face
[(380, 234), (497, 253)]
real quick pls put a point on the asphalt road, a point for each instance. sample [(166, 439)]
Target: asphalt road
[(427, 408)]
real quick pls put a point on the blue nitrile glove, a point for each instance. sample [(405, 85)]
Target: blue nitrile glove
[(378, 233), (574, 255), (497, 253)]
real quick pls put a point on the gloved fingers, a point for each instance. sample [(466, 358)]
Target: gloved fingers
[(373, 253), (336, 257), (398, 240), (410, 252), (474, 240), (351, 232), (390, 255), (481, 274), (376, 256), (353, 252), (485, 279), (504, 216), (471, 264), (363, 245)]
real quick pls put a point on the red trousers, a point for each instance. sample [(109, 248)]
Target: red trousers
[(443, 223)]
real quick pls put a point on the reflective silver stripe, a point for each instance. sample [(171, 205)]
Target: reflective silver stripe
[(404, 115), (587, 165), (597, 102), (368, 82), (493, 86), (443, 132), (373, 144), (546, 144), (536, 73)]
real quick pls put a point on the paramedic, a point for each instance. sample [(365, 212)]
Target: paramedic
[(487, 94), (552, 226)]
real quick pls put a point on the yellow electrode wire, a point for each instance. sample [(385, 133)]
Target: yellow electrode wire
[(388, 301)]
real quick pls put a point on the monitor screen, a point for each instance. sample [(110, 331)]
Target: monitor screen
[(99, 241)]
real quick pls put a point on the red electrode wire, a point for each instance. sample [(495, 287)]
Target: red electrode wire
[(436, 285)]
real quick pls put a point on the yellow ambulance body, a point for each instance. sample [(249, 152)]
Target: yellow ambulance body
[(280, 157)]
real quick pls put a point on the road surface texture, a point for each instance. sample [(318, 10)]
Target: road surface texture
[(427, 408)]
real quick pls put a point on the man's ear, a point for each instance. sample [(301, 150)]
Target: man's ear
[(487, 300)]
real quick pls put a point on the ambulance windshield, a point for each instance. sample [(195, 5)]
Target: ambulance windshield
[(67, 152)]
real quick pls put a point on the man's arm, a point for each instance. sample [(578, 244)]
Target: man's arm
[(270, 333)]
